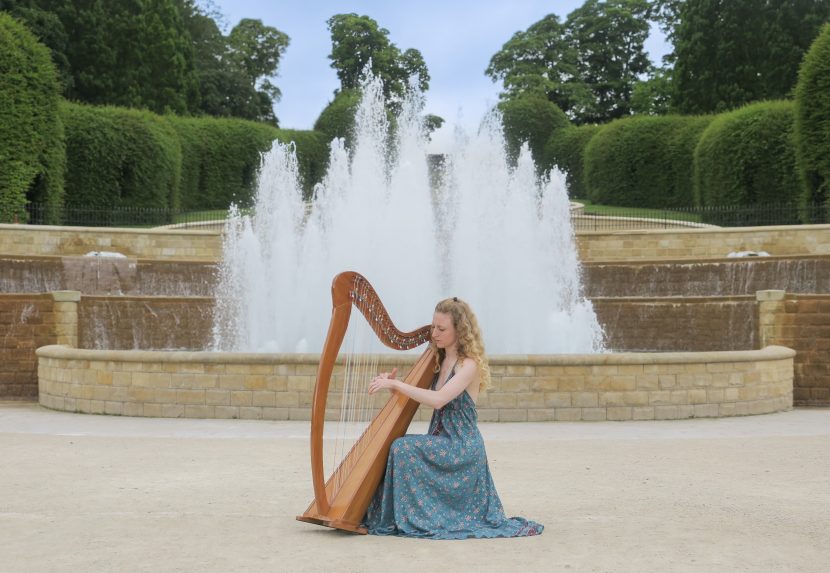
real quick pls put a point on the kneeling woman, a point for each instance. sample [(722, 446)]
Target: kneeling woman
[(439, 485)]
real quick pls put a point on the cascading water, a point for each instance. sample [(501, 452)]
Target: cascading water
[(493, 234)]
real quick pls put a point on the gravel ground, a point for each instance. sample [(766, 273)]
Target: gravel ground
[(103, 493)]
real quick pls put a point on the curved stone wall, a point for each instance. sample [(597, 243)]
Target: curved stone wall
[(640, 386)]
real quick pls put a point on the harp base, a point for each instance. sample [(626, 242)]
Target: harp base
[(334, 523)]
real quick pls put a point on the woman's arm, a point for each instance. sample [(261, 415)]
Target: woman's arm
[(464, 376)]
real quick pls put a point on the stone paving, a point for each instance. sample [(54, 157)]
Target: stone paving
[(86, 493)]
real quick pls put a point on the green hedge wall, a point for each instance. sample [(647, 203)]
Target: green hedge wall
[(532, 119), (644, 161), (220, 160), (747, 157), (337, 119), (31, 133), (812, 121), (119, 157), (127, 158), (566, 150), (312, 156)]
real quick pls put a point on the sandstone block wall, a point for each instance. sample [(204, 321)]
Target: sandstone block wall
[(26, 323), (525, 388), (702, 243), (802, 322), (649, 245), (719, 277), (107, 275), (145, 323), (135, 243), (678, 324)]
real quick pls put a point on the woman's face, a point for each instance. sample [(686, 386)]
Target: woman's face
[(443, 331)]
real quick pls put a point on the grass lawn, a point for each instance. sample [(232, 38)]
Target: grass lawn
[(611, 211)]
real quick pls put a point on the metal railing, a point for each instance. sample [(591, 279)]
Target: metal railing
[(601, 218), (585, 218), (137, 217)]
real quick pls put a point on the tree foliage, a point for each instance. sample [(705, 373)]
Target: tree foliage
[(587, 66), (31, 133), (357, 41), (161, 55), (729, 53)]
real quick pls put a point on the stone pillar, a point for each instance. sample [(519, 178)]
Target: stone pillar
[(770, 308), (66, 317)]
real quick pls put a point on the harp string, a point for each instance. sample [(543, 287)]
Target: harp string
[(361, 359)]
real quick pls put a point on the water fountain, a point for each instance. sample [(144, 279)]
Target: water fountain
[(490, 232)]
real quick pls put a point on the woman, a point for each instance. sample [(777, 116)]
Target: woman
[(439, 485)]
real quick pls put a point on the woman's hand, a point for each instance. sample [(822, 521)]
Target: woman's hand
[(385, 380)]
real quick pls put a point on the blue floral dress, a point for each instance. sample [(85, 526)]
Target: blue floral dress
[(439, 485)]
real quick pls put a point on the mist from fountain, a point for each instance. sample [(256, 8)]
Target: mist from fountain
[(489, 232)]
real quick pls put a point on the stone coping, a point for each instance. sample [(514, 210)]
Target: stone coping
[(609, 358), (667, 224), (105, 230), (703, 260), (713, 230)]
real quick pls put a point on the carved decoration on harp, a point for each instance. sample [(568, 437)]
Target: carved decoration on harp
[(341, 500)]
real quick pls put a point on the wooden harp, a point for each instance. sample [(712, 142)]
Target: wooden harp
[(341, 500)]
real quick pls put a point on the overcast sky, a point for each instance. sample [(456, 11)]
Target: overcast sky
[(456, 37)]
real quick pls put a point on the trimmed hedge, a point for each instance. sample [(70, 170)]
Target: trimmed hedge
[(533, 119), (644, 161), (220, 160), (566, 150), (812, 121), (747, 157), (119, 157), (337, 119), (312, 156), (31, 133), (127, 158)]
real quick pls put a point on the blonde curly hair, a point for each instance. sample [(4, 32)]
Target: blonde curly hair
[(468, 334)]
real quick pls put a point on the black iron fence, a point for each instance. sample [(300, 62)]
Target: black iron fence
[(138, 217), (601, 218), (586, 218)]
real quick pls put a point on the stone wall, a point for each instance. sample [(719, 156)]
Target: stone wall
[(630, 324), (96, 275), (145, 323), (649, 245), (722, 277), (673, 325), (136, 243), (525, 388), (702, 243), (678, 324), (802, 322), (26, 323)]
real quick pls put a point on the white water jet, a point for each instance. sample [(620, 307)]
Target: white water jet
[(493, 234)]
